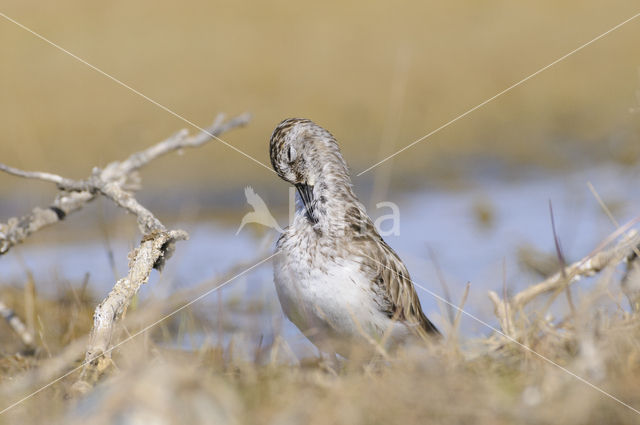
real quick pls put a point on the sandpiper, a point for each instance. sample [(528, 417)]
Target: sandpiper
[(336, 278)]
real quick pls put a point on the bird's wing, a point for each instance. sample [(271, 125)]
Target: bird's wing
[(391, 282), (254, 199)]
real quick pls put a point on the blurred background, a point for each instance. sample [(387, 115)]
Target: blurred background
[(474, 199), (379, 75)]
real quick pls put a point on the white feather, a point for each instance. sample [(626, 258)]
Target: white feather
[(332, 304)]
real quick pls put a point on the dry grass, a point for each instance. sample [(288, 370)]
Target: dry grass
[(483, 381)]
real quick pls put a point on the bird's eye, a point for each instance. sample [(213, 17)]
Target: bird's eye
[(291, 154)]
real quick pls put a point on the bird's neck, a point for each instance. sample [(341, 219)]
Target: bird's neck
[(334, 202)]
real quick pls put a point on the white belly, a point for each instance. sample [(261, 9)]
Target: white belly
[(332, 305)]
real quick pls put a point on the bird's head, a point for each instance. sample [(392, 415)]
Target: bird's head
[(305, 154)]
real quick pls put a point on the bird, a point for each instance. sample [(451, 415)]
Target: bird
[(260, 213), (631, 280), (336, 279)]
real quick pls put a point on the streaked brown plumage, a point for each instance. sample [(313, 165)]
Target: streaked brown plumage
[(335, 275)]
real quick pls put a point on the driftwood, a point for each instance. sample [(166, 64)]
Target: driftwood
[(624, 250), (52, 370), (117, 182)]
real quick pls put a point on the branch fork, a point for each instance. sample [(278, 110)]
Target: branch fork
[(118, 182)]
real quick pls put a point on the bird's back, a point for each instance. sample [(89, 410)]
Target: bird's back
[(387, 273)]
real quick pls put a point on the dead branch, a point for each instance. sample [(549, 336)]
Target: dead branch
[(52, 368), (16, 230), (116, 181), (505, 310), (38, 175), (152, 252), (75, 194)]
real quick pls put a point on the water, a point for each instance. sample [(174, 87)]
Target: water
[(447, 224)]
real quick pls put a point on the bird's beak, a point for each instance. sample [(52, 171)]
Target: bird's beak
[(306, 193)]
